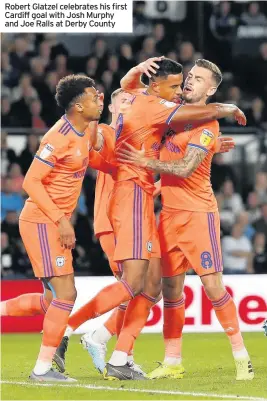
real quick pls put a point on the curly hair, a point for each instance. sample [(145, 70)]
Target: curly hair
[(70, 88)]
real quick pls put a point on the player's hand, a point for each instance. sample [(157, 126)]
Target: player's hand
[(67, 234), (240, 117), (130, 155), (224, 144), (149, 66)]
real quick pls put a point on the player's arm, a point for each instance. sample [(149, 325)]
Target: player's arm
[(132, 80), (209, 112), (201, 143), (97, 162), (182, 168), (40, 168)]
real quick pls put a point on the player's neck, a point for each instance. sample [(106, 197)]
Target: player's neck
[(77, 122), (113, 122), (199, 103)]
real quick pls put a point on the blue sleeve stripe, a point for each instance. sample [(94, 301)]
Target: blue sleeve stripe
[(198, 146), (172, 114), (44, 161)]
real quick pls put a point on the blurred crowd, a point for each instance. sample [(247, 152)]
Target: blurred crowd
[(31, 66)]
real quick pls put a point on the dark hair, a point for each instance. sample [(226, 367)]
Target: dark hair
[(167, 67), (213, 68), (116, 93), (70, 88)]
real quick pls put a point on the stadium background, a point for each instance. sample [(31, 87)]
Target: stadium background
[(232, 34)]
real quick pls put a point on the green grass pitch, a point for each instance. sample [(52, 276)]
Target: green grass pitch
[(210, 371)]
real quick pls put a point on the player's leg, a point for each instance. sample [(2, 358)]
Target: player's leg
[(95, 341), (53, 265), (206, 257), (28, 304), (174, 266), (128, 246)]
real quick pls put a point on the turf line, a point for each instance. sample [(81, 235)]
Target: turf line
[(147, 391)]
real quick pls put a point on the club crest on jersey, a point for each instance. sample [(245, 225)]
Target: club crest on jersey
[(60, 261), (188, 127), (167, 104), (149, 246), (206, 137), (47, 150)]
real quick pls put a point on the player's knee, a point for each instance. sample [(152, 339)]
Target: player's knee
[(69, 294), (213, 285), (170, 289)]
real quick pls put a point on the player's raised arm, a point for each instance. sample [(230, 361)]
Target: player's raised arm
[(132, 80), (212, 111)]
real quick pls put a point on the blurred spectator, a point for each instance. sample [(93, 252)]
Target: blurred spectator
[(9, 73), (11, 226), (19, 57), (261, 224), (259, 255), (8, 118), (126, 58), (14, 173), (148, 49), (107, 79), (8, 155), (91, 67), (113, 67), (227, 217), (141, 24), (37, 70), (253, 207), (223, 23), (24, 84), (231, 200), (10, 201), (243, 221), (45, 52), (27, 155), (257, 115), (61, 67), (6, 257), (186, 54), (36, 119), (23, 264), (254, 17), (221, 172), (236, 251), (259, 67), (56, 46), (234, 95), (162, 43), (261, 186)]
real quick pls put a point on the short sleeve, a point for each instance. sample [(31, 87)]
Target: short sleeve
[(205, 138), (160, 112), (53, 147)]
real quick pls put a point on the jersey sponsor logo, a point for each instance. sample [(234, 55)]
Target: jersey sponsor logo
[(60, 261), (167, 104), (46, 152), (206, 261), (149, 246), (172, 147), (78, 152), (206, 137)]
